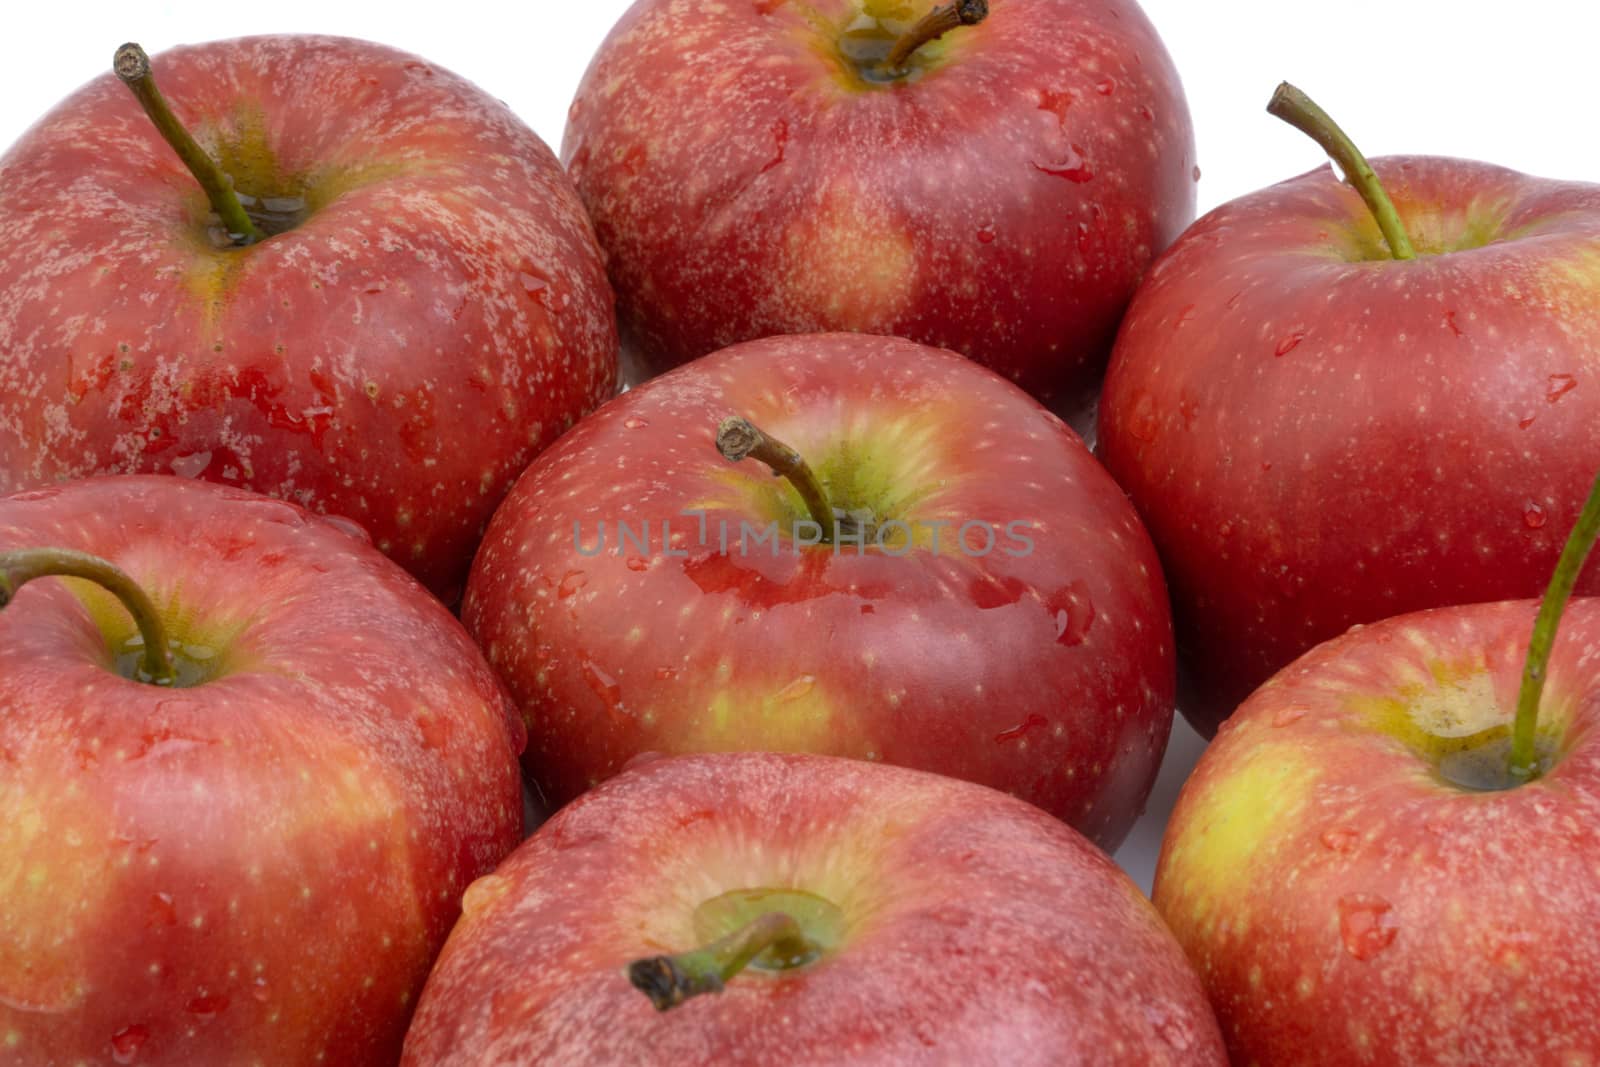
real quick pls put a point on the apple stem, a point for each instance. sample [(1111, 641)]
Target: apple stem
[(22, 566), (1300, 111), (670, 980), (739, 438), (133, 67), (932, 26), (1524, 731)]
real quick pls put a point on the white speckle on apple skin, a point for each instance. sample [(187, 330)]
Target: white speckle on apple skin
[(446, 299)]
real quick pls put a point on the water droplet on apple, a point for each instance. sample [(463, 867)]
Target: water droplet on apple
[(1341, 839), (1523, 424), (1287, 716), (1019, 731), (1533, 516), (259, 989), (162, 910), (1560, 386), (986, 235), (1195, 174), (666, 674), (1365, 924), (1146, 114), (125, 1043), (798, 689), (536, 285), (1170, 1029), (1073, 166), (571, 582), (1288, 344), (349, 527), (604, 686), (634, 422), (1105, 86), (638, 563), (190, 466), (1073, 612), (207, 1005), (35, 495)]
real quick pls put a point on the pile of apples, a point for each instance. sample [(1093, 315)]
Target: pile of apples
[(332, 563)]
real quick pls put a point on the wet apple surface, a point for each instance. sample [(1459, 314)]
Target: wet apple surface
[(257, 861), (435, 272), (755, 168), (965, 927), (990, 609), (1319, 435), (1327, 862)]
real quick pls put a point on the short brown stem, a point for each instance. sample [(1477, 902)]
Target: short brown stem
[(20, 567), (934, 25), (738, 439), (670, 980), (133, 67)]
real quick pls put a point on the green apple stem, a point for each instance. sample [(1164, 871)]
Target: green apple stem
[(670, 980), (738, 439), (934, 25), (1524, 731), (1300, 111), (24, 565), (133, 67)]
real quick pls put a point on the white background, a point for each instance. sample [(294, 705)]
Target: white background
[(1510, 83)]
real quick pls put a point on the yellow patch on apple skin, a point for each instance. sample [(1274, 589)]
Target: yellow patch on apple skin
[(850, 265), (49, 890), (1239, 816), (795, 716), (1455, 702), (1575, 293)]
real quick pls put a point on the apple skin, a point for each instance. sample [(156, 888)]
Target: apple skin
[(980, 930), (1347, 906), (745, 182), (1049, 676), (1319, 436), (260, 868), (396, 359)]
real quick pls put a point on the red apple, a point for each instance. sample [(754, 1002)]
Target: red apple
[(1387, 856), (435, 314), (259, 863), (929, 921), (1000, 617), (1319, 435), (758, 168), (1346, 902)]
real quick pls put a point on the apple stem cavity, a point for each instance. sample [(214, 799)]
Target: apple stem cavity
[(17, 568), (670, 980), (1525, 758), (1300, 111), (133, 67), (932, 26), (738, 439)]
